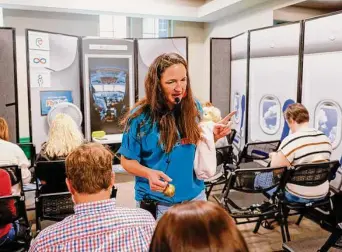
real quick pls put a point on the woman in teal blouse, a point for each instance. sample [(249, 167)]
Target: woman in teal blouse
[(159, 141)]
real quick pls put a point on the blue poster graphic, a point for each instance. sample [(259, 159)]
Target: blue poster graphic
[(237, 107), (327, 122), (269, 114), (109, 90), (48, 99)]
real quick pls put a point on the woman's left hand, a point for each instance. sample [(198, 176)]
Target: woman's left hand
[(223, 127)]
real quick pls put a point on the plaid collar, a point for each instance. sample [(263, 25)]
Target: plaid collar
[(95, 207)]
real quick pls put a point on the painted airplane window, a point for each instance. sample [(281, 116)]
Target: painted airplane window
[(237, 105), (328, 120), (270, 114)]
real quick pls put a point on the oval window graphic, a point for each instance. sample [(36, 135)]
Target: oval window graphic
[(269, 114), (237, 107), (328, 120)]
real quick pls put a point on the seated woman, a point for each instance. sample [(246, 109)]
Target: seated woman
[(64, 137), (7, 209), (12, 154), (197, 226), (303, 145)]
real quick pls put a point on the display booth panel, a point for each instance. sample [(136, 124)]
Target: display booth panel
[(220, 66), (273, 80), (149, 49), (8, 82), (239, 55), (53, 62), (322, 77), (109, 86)]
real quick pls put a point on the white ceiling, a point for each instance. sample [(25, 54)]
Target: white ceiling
[(187, 10)]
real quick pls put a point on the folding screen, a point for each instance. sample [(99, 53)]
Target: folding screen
[(8, 82), (322, 77), (220, 56), (149, 49), (273, 79), (109, 85), (239, 55), (53, 63)]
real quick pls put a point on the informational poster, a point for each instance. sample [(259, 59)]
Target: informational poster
[(53, 77), (40, 79), (48, 99), (39, 41), (40, 59), (109, 92)]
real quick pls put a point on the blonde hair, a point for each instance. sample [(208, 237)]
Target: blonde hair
[(4, 129), (64, 136)]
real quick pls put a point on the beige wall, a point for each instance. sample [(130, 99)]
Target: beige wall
[(259, 16), (195, 33), (230, 27), (292, 13)]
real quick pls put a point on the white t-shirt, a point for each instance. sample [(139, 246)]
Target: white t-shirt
[(12, 154), (307, 145)]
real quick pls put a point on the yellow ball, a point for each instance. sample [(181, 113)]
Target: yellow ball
[(170, 190)]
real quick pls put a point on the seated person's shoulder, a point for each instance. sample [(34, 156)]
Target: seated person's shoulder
[(9, 146), (3, 174), (138, 216), (294, 137), (48, 232), (5, 180)]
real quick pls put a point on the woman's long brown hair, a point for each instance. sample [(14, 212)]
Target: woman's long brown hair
[(197, 226), (155, 105)]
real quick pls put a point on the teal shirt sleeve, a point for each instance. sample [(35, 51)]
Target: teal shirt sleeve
[(131, 144)]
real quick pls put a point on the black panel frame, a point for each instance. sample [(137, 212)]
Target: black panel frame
[(15, 81)]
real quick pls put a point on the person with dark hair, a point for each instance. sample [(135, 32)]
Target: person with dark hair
[(197, 226), (303, 145), (160, 137)]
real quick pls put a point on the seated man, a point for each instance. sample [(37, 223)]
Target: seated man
[(97, 225), (304, 145)]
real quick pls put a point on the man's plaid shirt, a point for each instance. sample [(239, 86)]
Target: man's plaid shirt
[(98, 226)]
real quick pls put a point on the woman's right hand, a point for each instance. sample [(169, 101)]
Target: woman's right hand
[(158, 180)]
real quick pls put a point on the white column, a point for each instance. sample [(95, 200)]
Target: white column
[(1, 17)]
